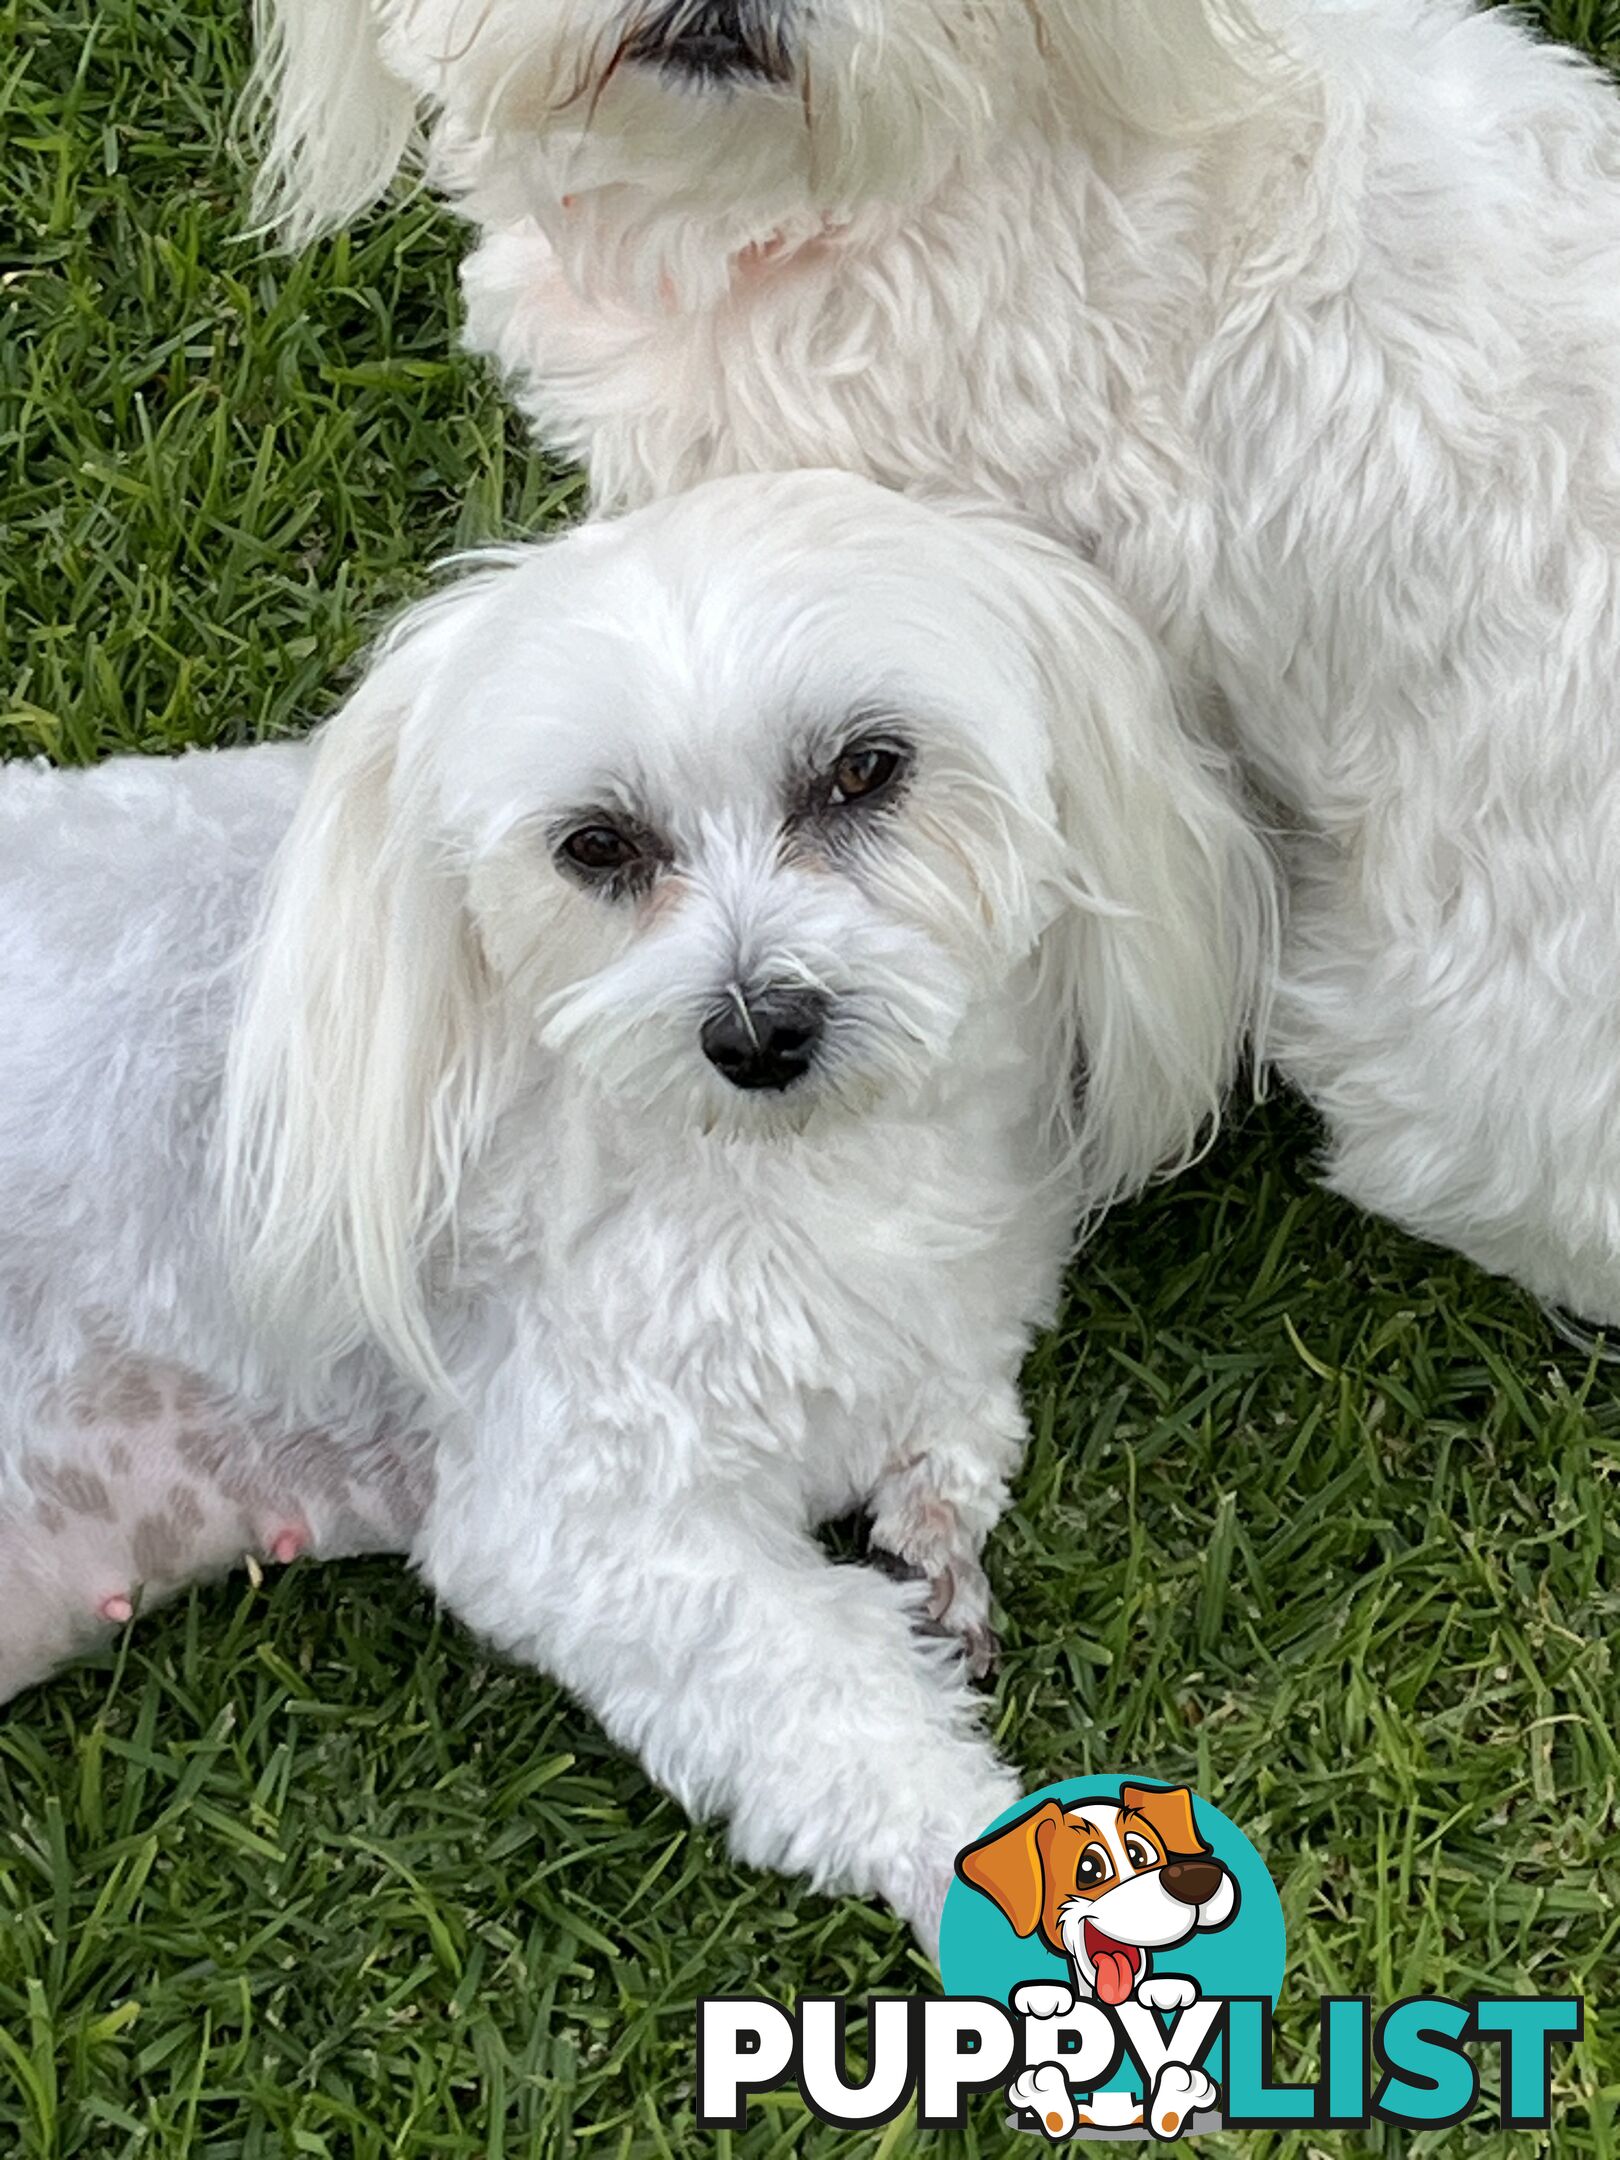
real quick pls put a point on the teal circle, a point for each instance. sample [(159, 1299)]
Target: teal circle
[(979, 1954)]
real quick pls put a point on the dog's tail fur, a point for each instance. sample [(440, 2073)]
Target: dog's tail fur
[(332, 122)]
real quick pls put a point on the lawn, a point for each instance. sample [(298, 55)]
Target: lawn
[(1316, 1517)]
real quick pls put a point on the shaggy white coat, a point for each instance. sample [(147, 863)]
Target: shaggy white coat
[(1309, 331), (417, 1217)]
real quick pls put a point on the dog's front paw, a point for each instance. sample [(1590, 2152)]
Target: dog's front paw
[(1044, 2093), (1168, 1992), (958, 1606), (1177, 2097), (1044, 2000), (958, 1591)]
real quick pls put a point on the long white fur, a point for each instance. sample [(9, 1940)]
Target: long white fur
[(366, 1121), (334, 122), (339, 85), (1322, 364)]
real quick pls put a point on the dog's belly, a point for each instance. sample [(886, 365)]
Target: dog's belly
[(134, 1478)]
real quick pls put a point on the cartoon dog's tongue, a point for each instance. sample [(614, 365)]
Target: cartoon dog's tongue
[(1114, 1964)]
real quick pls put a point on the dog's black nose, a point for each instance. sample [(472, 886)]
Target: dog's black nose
[(715, 40), (767, 1042), (1192, 1882)]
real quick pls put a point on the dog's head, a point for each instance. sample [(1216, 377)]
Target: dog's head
[(727, 813), (1106, 1885), (659, 141)]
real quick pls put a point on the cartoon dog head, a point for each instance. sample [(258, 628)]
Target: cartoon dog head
[(1106, 1883)]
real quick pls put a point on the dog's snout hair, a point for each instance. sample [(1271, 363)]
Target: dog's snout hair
[(896, 89), (715, 41)]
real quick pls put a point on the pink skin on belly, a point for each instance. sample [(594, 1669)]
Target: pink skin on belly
[(136, 1480)]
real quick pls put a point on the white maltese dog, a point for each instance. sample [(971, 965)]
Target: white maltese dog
[(634, 1143), (1301, 316)]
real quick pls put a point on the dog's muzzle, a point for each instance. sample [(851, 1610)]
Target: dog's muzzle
[(716, 41), (765, 1042)]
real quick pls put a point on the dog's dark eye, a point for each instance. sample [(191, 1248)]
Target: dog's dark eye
[(1140, 1853), (599, 850), (1094, 1867), (861, 775)]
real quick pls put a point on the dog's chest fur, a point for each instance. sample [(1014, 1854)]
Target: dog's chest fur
[(787, 1308)]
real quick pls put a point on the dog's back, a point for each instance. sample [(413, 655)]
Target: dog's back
[(126, 894)]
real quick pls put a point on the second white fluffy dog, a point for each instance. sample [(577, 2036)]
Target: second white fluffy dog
[(636, 1144), (1312, 337)]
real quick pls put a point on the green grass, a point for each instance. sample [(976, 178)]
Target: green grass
[(1316, 1517)]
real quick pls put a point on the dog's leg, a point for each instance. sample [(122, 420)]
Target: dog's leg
[(1179, 2094), (755, 1679), (939, 1500), (1044, 2093)]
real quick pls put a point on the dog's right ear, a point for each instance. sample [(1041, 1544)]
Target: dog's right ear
[(1161, 960), (1169, 1812), (1009, 1866), (363, 1061), (333, 123)]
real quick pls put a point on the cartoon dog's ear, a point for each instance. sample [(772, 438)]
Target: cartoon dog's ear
[(1009, 1866), (1171, 1816)]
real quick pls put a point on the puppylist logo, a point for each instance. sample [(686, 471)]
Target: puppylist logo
[(1112, 1953)]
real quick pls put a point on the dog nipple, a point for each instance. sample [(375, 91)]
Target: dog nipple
[(118, 1609), (289, 1545)]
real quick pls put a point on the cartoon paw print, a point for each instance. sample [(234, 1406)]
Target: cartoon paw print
[(1044, 2093), (1043, 2001), (1168, 1991), (1178, 2096)]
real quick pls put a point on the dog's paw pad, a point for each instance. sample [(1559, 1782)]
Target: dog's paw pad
[(1044, 2093), (1168, 1991), (1043, 2000), (1177, 2098)]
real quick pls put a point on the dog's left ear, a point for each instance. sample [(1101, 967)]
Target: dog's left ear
[(1163, 951), (1009, 1866), (1171, 1815)]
